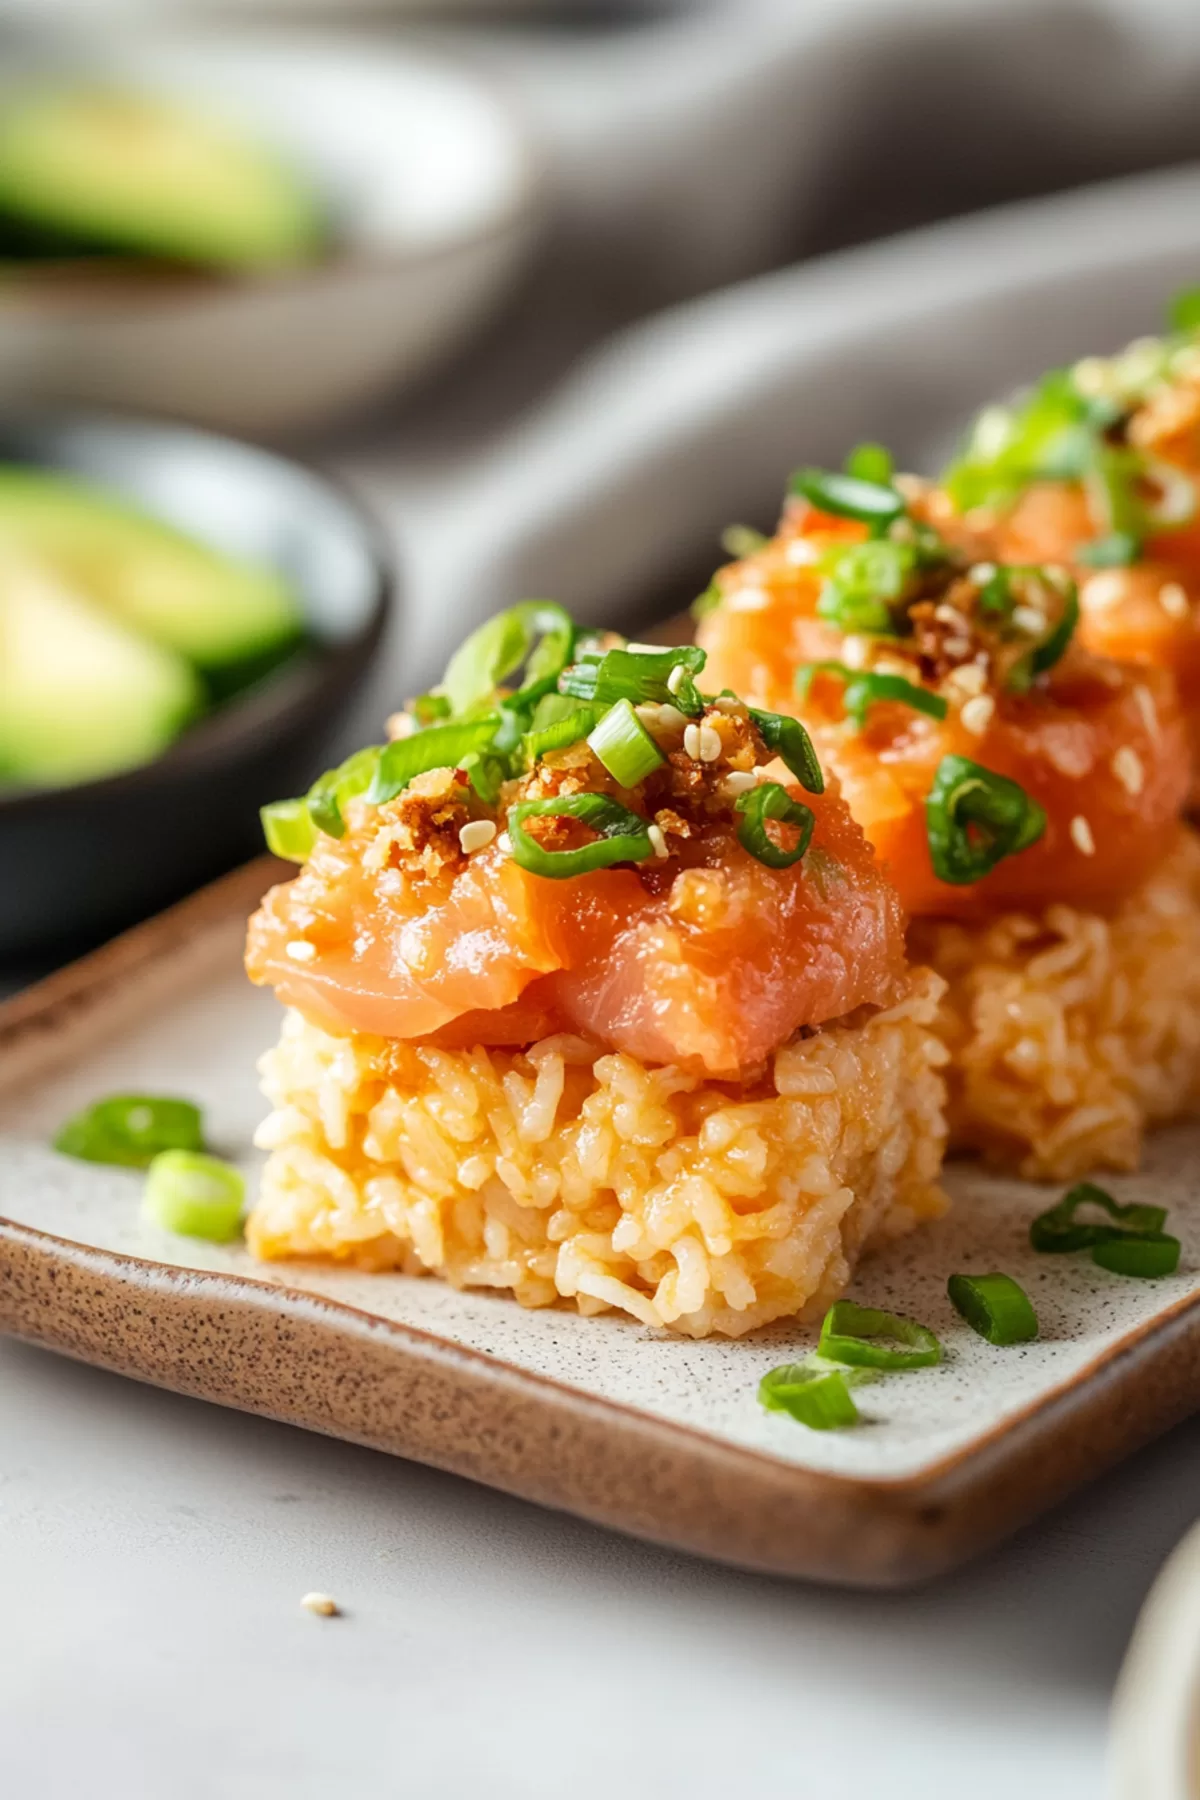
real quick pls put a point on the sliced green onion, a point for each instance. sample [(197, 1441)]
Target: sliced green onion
[(131, 1129), (289, 830), (742, 540), (441, 747), (874, 503), (1183, 310), (624, 746), (1115, 551), (429, 709), (1147, 1256), (194, 1196), (995, 1306), (558, 721), (1058, 1231), (974, 818), (537, 635), (850, 1334), (818, 1398), (866, 688), (790, 742), (770, 801), (486, 774), (863, 582), (1043, 656), (623, 835), (330, 792), (873, 463), (662, 677)]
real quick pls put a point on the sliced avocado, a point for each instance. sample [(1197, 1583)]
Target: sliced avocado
[(232, 619), (80, 694), (139, 175)]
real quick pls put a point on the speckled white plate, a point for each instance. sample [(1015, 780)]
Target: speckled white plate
[(602, 1416)]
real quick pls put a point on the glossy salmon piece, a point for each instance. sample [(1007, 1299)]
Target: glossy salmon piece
[(713, 961), (1092, 741)]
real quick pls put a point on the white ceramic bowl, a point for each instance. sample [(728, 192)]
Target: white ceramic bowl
[(1155, 1746), (434, 184)]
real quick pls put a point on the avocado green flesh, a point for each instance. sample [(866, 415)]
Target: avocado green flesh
[(81, 696), (217, 612), (141, 176)]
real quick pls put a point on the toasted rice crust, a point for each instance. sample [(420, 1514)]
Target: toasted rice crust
[(563, 1172), (1070, 1033)]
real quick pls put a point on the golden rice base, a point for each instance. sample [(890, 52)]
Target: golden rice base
[(1070, 1033), (564, 1173)]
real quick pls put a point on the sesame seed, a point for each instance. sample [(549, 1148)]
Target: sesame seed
[(300, 950), (691, 742), (738, 781), (1081, 836), (475, 834), (1127, 767), (675, 678), (1173, 600), (655, 834), (322, 1604), (748, 599), (504, 843), (801, 553), (982, 573), (977, 713), (725, 703), (1028, 618), (400, 725), (1148, 710), (956, 646), (969, 679), (945, 614), (855, 651), (710, 744), (1109, 588)]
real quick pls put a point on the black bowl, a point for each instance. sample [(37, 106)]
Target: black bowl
[(81, 862)]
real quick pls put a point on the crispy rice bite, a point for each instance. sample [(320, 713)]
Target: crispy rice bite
[(1023, 793), (595, 994)]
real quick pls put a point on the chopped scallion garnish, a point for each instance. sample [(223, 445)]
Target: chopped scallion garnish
[(816, 1397), (624, 836), (288, 829), (441, 747), (1183, 310), (537, 636), (131, 1129), (975, 818), (873, 463), (851, 1334), (1115, 551), (789, 741), (1059, 1230), (558, 722), (330, 792), (995, 1306), (740, 541), (1146, 1256), (662, 677), (867, 687), (624, 746), (194, 1196), (873, 503), (770, 801)]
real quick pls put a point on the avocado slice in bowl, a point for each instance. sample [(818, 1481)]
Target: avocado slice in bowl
[(80, 694), (93, 170), (232, 619)]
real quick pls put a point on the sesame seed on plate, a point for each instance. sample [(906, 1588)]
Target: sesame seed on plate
[(1081, 836), (300, 950), (710, 744), (475, 834), (976, 714), (324, 1605), (691, 742), (1127, 767), (655, 834), (1173, 600)]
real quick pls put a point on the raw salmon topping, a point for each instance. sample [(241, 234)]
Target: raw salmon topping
[(602, 850)]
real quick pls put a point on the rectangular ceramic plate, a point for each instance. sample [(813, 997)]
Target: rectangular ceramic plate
[(600, 1416)]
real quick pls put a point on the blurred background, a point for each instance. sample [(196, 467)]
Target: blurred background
[(553, 291)]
